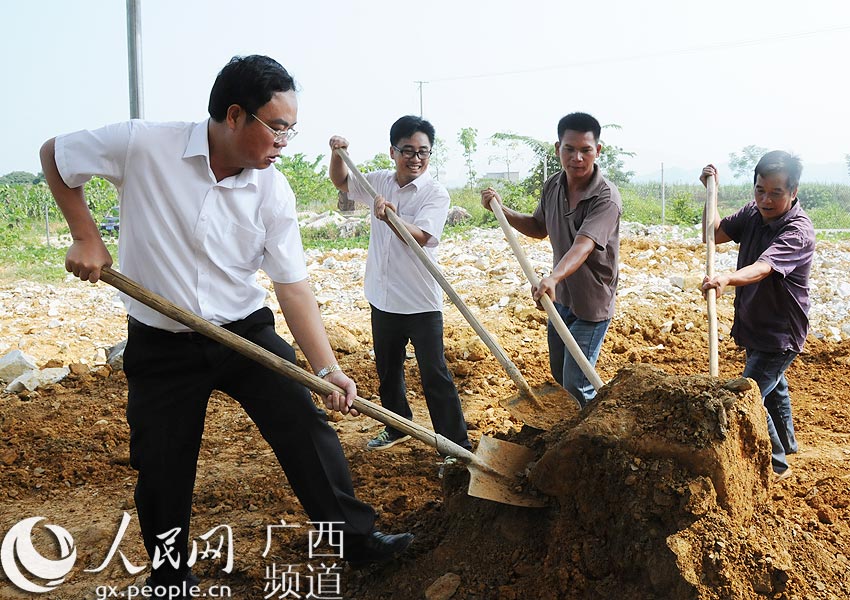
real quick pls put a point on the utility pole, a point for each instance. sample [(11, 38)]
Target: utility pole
[(420, 96), (663, 200), (134, 58)]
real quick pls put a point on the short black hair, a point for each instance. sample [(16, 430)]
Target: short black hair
[(250, 82), (581, 122), (407, 125), (779, 161)]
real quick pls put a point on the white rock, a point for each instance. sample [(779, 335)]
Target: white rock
[(36, 378), (15, 364)]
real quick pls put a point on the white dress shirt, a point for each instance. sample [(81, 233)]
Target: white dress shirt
[(195, 241), (396, 280)]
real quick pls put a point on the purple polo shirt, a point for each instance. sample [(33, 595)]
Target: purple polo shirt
[(772, 314), (591, 290)]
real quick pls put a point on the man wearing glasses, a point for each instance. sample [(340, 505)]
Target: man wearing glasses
[(201, 212), (405, 299)]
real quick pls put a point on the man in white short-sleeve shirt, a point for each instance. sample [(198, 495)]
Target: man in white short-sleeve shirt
[(201, 212), (406, 301)]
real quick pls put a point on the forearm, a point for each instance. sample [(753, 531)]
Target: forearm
[(525, 224), (416, 232), (338, 172), (305, 322), (719, 235), (574, 258), (750, 274)]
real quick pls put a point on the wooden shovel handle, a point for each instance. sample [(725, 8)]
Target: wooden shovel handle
[(554, 316), (485, 336), (278, 364), (711, 295)]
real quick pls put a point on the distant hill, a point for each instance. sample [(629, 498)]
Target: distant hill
[(812, 173)]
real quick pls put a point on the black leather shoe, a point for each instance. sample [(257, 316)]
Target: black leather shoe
[(161, 590), (376, 547)]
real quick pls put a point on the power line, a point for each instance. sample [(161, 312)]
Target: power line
[(658, 54)]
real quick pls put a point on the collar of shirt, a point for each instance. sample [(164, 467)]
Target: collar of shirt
[(419, 183), (594, 186), (779, 223), (199, 145)]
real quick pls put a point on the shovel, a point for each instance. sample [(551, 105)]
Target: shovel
[(495, 468), (554, 316), (711, 295), (543, 416)]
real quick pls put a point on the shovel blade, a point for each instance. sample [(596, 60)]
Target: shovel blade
[(498, 473), (551, 405)]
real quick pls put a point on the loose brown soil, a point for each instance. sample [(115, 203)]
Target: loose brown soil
[(660, 489)]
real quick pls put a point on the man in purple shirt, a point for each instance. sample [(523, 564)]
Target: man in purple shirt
[(777, 244)]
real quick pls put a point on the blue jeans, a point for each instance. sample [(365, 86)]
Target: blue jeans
[(589, 336), (767, 369)]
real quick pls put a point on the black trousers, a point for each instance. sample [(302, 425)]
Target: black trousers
[(170, 378), (390, 334)]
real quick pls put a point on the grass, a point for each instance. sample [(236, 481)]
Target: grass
[(24, 254)]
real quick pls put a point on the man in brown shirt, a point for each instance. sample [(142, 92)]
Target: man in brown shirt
[(580, 212)]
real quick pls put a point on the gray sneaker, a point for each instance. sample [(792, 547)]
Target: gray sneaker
[(446, 462), (385, 440)]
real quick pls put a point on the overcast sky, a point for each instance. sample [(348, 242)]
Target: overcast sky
[(688, 82)]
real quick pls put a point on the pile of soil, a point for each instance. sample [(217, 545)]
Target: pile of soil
[(661, 488)]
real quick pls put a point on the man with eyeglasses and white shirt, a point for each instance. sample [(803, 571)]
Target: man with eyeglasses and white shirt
[(201, 212), (406, 301)]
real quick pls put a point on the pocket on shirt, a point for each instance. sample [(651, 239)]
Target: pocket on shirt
[(242, 247)]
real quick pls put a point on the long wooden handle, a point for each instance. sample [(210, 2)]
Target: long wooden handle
[(280, 365), (554, 316), (711, 296), (485, 336)]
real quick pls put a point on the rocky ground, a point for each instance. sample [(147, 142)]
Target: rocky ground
[(63, 448)]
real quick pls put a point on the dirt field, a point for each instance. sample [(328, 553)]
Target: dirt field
[(660, 489)]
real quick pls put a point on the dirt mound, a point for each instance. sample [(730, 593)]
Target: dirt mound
[(661, 489)]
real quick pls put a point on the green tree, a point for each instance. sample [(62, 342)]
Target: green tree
[(544, 153), (378, 162), (439, 156), (467, 138), (847, 160), (743, 165), (308, 179), (18, 178), (506, 151), (611, 160)]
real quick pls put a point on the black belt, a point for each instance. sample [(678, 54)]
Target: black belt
[(259, 318), (139, 328)]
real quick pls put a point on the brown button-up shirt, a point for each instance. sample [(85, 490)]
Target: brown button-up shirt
[(591, 290)]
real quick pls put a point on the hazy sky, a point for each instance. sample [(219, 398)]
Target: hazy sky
[(688, 82)]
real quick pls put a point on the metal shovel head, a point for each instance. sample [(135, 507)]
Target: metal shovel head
[(550, 405), (498, 472)]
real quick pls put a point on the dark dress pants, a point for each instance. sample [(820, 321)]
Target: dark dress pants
[(390, 334), (170, 378)]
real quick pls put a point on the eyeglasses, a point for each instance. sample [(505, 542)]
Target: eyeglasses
[(279, 136), (410, 153)]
